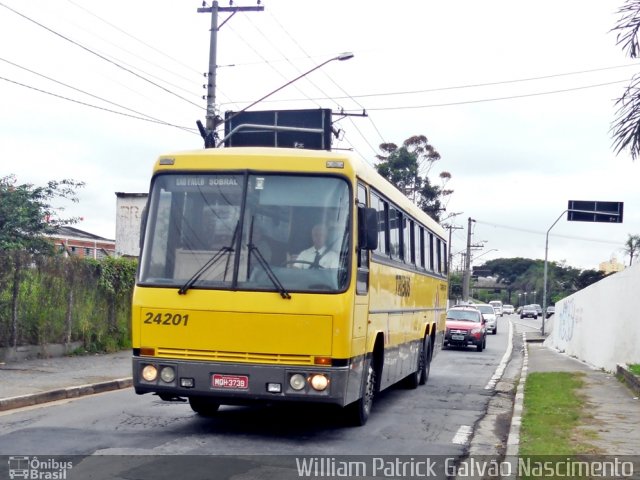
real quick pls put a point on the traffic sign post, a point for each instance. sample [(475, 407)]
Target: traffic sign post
[(580, 211)]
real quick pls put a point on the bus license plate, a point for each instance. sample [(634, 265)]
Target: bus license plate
[(232, 382)]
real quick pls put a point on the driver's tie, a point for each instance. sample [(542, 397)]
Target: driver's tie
[(316, 261)]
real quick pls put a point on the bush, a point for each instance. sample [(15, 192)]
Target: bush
[(53, 299)]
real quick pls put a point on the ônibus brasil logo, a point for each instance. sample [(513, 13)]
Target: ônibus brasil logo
[(36, 469)]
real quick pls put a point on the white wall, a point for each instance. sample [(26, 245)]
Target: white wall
[(600, 324), (128, 217)]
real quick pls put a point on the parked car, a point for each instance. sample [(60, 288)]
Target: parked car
[(508, 309), (550, 310), (529, 311), (538, 308), (465, 326), (490, 317)]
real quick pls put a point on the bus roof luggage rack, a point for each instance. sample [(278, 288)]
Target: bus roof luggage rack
[(308, 129)]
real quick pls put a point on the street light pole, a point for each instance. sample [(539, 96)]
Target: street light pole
[(546, 268), (342, 57)]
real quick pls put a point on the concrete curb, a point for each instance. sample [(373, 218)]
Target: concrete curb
[(64, 393), (513, 440), (630, 379)]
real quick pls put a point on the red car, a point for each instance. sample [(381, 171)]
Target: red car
[(465, 326)]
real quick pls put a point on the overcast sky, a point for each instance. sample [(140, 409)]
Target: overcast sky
[(516, 152)]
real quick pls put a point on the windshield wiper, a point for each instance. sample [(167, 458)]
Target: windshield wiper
[(210, 263), (267, 268)]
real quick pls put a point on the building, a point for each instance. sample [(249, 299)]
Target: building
[(75, 242), (611, 266), (129, 209)]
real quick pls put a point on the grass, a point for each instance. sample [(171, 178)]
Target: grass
[(635, 368), (553, 409)]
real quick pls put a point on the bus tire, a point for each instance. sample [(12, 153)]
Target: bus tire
[(427, 361), (203, 406), (420, 376), (358, 412)]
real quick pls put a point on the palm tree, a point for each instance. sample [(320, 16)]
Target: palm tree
[(626, 126), (632, 247)]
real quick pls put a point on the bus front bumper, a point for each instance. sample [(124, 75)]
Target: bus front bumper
[(244, 384)]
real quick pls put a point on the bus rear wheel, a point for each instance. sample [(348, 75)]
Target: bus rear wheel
[(421, 375), (358, 412), (203, 406)]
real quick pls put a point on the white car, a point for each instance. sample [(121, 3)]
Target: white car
[(497, 306), (508, 309), (490, 317)]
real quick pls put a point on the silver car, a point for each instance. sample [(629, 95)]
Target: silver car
[(490, 317)]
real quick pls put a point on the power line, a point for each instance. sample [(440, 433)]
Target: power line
[(136, 38), (89, 94), (307, 79), (499, 82), (96, 106), (270, 65), (172, 72), (473, 85), (99, 55), (569, 237), (495, 99), (335, 83)]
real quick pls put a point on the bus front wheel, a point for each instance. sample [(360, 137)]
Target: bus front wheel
[(203, 406), (360, 410)]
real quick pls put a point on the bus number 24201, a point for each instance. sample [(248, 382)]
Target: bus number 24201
[(166, 318)]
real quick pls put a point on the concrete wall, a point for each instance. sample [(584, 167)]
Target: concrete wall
[(600, 324), (129, 207)]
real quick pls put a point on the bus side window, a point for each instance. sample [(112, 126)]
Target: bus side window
[(381, 207)]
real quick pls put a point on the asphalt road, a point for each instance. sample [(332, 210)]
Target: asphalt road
[(435, 419)]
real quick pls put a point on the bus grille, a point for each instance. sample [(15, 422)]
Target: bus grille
[(242, 357)]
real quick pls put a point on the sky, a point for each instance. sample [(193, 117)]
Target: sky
[(518, 98)]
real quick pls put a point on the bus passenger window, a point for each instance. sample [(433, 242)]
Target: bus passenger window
[(381, 208), (394, 232)]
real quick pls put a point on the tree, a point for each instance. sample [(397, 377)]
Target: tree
[(626, 126), (632, 247), (408, 168), (527, 275), (27, 214)]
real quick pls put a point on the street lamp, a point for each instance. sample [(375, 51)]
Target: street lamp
[(519, 296), (534, 296), (342, 57), (525, 298)]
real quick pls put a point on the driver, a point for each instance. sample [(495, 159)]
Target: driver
[(319, 255)]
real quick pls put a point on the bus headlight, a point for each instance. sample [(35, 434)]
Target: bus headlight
[(150, 373), (168, 374), (319, 382), (297, 381)]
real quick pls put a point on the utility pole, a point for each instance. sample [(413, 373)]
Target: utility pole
[(467, 264), (451, 228), (208, 132)]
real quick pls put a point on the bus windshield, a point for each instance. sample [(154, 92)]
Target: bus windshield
[(248, 232)]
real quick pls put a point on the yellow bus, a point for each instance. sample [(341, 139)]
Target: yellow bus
[(232, 308)]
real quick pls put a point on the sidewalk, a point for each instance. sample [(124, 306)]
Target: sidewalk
[(614, 410), (30, 382)]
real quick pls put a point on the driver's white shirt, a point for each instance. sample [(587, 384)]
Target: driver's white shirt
[(327, 260)]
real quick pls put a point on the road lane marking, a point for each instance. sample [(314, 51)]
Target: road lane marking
[(462, 435), (497, 375)]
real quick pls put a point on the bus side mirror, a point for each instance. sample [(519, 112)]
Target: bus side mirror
[(367, 228)]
